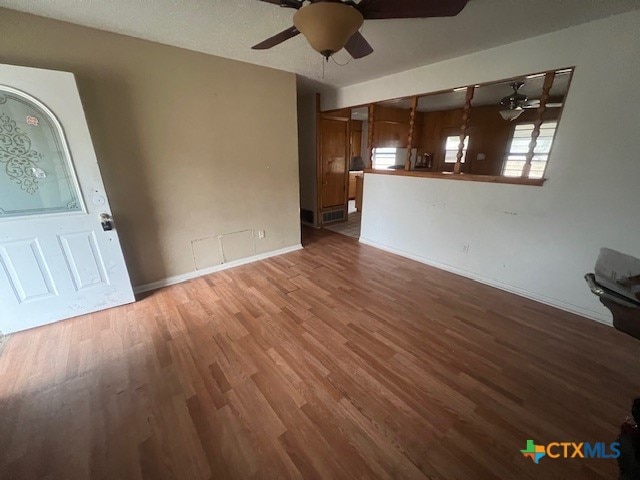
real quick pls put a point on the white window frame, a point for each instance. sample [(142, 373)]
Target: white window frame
[(457, 142), (387, 158), (540, 159)]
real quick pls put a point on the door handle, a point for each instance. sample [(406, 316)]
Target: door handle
[(106, 221)]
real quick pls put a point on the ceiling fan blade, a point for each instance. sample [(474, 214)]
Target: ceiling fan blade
[(277, 39), (381, 9), (286, 3), (358, 47)]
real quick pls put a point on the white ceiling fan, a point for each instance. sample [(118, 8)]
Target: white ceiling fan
[(516, 103)]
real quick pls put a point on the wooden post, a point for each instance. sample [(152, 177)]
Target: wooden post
[(463, 130), (544, 98), (412, 122), (371, 121)]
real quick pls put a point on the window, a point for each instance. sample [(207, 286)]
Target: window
[(451, 149), (519, 147), (384, 158), (36, 173)]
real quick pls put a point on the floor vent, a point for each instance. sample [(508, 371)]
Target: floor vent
[(335, 216)]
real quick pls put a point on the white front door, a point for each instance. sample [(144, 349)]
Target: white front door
[(56, 258)]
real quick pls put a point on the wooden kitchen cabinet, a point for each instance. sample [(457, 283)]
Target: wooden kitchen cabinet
[(352, 184)]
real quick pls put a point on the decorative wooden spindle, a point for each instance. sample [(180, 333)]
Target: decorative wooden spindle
[(544, 98), (371, 122), (463, 129), (412, 122)]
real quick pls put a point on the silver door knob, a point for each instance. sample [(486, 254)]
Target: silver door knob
[(106, 221)]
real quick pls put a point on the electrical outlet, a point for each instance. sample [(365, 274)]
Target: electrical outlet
[(260, 234), (465, 248)]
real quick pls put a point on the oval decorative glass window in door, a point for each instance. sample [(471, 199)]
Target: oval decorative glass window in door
[(36, 171)]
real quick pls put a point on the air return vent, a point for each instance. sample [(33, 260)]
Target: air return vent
[(334, 216)]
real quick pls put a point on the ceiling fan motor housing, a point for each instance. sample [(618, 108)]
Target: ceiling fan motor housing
[(515, 100), (328, 26)]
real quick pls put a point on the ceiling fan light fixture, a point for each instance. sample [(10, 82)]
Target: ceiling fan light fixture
[(510, 114), (516, 99), (328, 26), (514, 103)]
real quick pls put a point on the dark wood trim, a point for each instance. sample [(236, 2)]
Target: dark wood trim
[(534, 182), (390, 122), (371, 127), (346, 169)]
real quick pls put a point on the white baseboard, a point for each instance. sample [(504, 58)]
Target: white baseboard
[(554, 302), (165, 282)]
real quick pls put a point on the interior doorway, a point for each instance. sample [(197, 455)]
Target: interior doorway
[(356, 140)]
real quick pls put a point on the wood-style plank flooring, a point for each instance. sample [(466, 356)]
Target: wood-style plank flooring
[(338, 361)]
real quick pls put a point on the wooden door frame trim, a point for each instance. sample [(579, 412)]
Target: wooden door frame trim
[(330, 115)]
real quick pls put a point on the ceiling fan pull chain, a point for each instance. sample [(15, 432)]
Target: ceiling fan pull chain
[(339, 64)]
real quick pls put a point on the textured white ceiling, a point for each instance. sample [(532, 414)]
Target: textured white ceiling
[(228, 28)]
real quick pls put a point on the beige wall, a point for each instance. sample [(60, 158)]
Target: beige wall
[(190, 145)]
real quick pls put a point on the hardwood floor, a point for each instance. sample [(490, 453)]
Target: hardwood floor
[(338, 361)]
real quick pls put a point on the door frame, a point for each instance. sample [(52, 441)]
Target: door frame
[(331, 115)]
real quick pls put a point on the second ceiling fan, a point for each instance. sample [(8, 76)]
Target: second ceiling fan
[(331, 25), (516, 103)]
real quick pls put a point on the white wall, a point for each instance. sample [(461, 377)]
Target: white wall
[(536, 241)]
